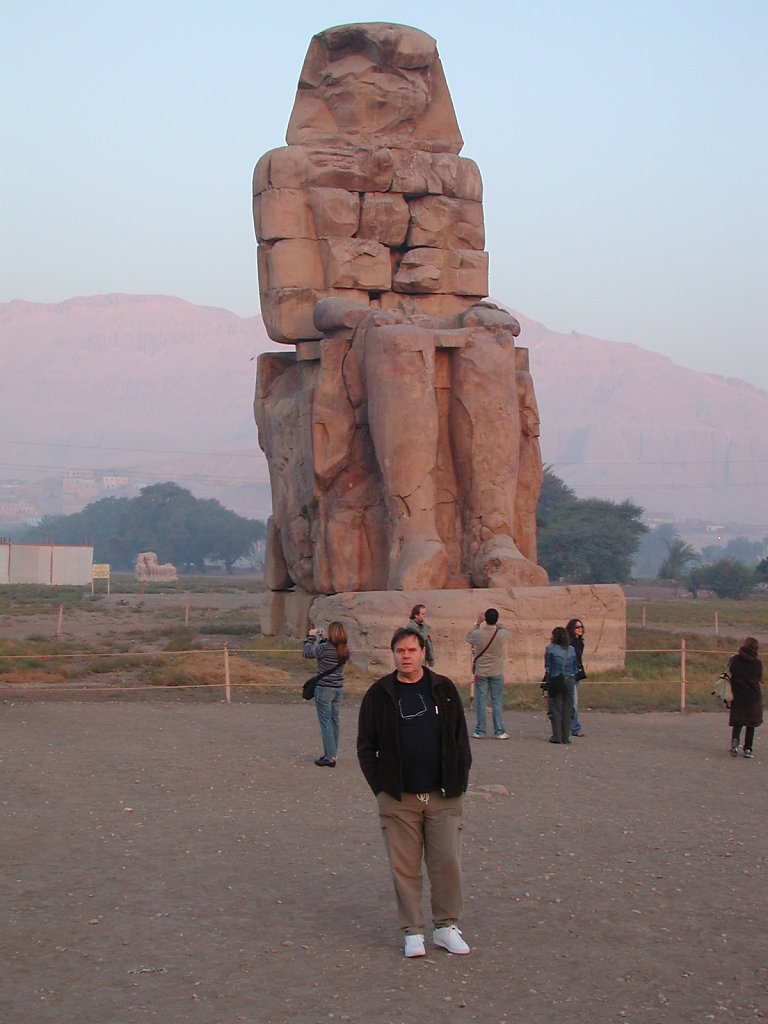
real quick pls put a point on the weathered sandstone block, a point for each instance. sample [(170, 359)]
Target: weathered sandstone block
[(530, 471), (285, 613), (530, 613), (444, 223), (288, 313), (420, 174), (355, 263), (311, 213), (435, 307), (380, 80), (384, 217), (276, 575), (291, 263), (357, 170), (459, 272)]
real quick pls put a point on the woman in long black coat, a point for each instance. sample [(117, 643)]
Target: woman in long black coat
[(747, 706)]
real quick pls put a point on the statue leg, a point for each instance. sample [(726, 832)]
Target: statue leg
[(402, 418), (485, 435)]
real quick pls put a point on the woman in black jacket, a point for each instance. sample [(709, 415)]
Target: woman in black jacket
[(575, 631), (747, 705), (332, 654)]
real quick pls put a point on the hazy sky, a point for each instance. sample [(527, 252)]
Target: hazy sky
[(623, 146)]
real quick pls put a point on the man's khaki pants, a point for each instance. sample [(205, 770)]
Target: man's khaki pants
[(429, 825)]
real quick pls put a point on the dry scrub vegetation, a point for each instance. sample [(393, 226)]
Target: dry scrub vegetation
[(140, 641)]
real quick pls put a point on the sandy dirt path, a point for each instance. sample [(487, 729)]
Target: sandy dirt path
[(181, 862)]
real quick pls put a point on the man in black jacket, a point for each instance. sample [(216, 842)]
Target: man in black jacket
[(413, 749)]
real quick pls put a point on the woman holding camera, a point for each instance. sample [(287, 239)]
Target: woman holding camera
[(332, 652)]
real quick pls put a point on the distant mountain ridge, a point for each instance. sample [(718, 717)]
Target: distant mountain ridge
[(619, 421), (171, 381), (158, 386)]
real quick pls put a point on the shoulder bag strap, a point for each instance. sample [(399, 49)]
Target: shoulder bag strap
[(328, 671), (479, 656)]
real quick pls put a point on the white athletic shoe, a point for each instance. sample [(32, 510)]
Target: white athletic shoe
[(414, 945), (450, 938)]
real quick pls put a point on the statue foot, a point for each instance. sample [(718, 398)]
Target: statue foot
[(498, 563), (422, 564)]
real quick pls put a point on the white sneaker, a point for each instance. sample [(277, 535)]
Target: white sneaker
[(414, 945), (450, 938), (502, 735)]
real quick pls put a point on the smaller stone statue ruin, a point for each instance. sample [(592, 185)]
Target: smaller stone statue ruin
[(147, 569), (401, 428)]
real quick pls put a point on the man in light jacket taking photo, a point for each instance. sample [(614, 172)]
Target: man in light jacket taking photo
[(489, 644)]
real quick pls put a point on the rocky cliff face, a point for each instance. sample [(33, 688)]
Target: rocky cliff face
[(160, 376), (618, 421), (147, 384)]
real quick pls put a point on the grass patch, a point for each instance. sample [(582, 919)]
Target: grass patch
[(180, 638), (126, 583), (239, 622), (188, 670), (108, 664), (746, 617), (31, 599)]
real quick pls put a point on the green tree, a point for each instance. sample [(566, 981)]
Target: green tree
[(726, 578), (694, 582), (652, 550), (739, 548), (586, 540), (164, 518), (679, 556)]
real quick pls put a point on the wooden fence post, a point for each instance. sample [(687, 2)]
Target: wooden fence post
[(682, 675), (227, 694)]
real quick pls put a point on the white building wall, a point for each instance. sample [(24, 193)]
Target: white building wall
[(61, 565)]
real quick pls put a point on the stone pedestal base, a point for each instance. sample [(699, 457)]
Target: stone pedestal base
[(530, 613)]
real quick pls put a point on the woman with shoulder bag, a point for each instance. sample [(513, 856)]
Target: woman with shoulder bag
[(332, 653), (575, 631), (560, 666)]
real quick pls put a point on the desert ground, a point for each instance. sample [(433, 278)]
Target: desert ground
[(178, 861)]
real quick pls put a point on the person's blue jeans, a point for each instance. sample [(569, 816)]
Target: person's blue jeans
[(328, 704), (496, 685), (575, 723)]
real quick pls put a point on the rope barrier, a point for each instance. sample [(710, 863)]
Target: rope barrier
[(227, 684), (144, 654), (276, 650)]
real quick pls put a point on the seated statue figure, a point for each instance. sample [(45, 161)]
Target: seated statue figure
[(401, 431)]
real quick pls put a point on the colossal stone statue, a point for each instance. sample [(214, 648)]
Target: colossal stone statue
[(401, 430)]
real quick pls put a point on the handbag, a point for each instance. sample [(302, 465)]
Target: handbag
[(556, 685), (723, 691), (308, 689)]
